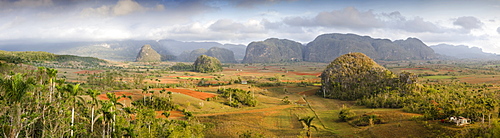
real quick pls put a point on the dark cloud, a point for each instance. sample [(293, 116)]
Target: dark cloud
[(271, 25), (418, 24), (122, 7), (254, 3), (299, 21), (498, 30), (353, 19), (349, 17), (468, 23)]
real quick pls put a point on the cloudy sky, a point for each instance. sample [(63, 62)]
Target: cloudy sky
[(459, 22)]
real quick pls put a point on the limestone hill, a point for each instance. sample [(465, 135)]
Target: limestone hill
[(222, 54), (353, 76), (273, 50), (327, 47), (148, 54)]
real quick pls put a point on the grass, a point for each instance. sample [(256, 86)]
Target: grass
[(442, 77), (283, 122)]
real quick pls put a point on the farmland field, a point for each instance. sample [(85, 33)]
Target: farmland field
[(270, 84)]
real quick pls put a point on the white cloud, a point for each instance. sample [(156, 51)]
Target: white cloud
[(468, 23), (498, 30), (226, 25)]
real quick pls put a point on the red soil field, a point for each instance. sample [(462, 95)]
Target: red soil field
[(301, 73), (415, 69), (192, 76), (88, 71), (195, 94)]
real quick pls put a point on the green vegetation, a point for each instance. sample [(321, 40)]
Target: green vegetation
[(182, 67), (206, 64), (354, 76), (238, 97), (106, 100), (33, 108)]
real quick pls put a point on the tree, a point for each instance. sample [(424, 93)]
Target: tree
[(114, 102), (15, 88), (73, 91), (52, 73), (94, 102), (207, 64), (307, 123)]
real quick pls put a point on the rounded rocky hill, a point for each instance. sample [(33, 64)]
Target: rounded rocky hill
[(148, 54), (207, 64), (273, 50), (224, 55), (353, 76)]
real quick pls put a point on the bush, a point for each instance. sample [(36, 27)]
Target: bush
[(238, 96), (367, 120), (346, 114)]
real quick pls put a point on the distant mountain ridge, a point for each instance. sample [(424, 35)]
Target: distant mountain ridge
[(327, 47), (324, 48), (125, 50), (273, 50), (222, 54), (463, 52)]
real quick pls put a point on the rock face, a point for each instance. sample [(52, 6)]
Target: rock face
[(187, 56), (327, 47), (224, 55), (207, 64), (148, 54), (353, 76), (416, 48), (273, 50)]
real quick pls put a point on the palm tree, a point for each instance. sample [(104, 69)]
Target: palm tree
[(52, 73), (114, 102), (73, 93), (307, 123), (15, 88), (93, 94)]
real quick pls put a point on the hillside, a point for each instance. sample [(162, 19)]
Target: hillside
[(463, 52), (222, 54), (327, 47), (148, 54), (42, 57), (125, 50), (353, 76), (273, 50)]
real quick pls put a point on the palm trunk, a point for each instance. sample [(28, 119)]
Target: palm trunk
[(72, 119), (92, 121)]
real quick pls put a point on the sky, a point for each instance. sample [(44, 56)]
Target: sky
[(474, 23)]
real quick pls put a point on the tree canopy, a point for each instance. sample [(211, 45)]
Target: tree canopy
[(207, 64)]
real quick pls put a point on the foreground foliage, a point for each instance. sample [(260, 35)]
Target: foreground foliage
[(35, 103)]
